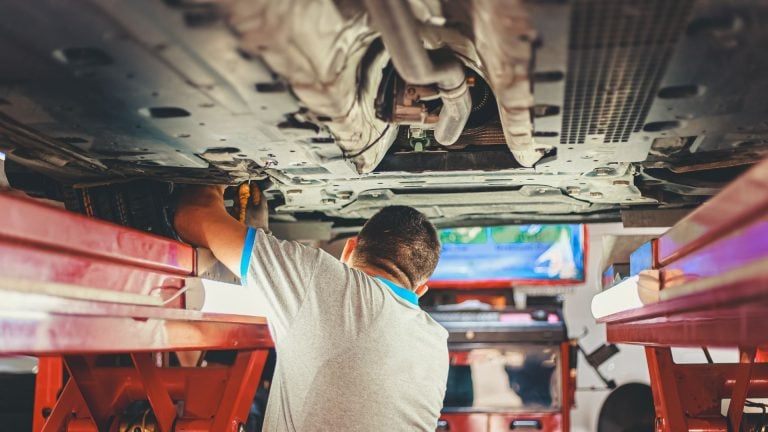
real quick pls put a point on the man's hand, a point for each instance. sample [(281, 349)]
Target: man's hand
[(257, 214), (202, 220)]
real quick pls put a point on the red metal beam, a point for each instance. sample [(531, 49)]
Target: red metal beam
[(714, 382), (24, 221), (743, 325), (99, 405), (157, 394), (22, 261), (241, 387), (179, 383), (741, 387), (62, 411), (666, 396), (48, 382), (567, 385), (732, 252), (727, 310), (36, 334), (737, 205), (39, 243), (215, 398)]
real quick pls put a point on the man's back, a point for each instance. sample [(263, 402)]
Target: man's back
[(353, 354)]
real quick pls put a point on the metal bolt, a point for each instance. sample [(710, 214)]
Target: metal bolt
[(596, 194), (469, 335)]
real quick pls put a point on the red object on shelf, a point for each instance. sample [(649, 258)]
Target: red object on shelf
[(714, 292), (83, 325), (498, 420)]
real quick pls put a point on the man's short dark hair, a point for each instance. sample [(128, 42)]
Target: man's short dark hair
[(400, 239)]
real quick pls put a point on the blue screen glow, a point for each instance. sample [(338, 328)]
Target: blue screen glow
[(511, 252)]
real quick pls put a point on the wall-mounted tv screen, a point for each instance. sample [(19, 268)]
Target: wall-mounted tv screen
[(507, 255)]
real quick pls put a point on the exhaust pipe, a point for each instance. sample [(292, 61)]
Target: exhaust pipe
[(399, 31)]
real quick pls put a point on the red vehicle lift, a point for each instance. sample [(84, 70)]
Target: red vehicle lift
[(107, 303), (714, 293)]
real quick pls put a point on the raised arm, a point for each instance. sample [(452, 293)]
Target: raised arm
[(278, 272), (202, 220)]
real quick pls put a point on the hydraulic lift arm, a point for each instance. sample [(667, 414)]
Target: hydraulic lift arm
[(714, 292), (110, 303)]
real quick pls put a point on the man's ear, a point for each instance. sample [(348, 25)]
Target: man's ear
[(421, 289), (349, 247)]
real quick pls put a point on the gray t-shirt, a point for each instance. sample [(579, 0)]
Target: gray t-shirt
[(354, 353)]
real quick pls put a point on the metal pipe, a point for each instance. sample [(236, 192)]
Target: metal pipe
[(502, 37), (399, 31)]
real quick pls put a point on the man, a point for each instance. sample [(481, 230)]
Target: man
[(355, 352)]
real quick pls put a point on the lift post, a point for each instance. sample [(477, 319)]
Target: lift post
[(106, 304), (714, 293)]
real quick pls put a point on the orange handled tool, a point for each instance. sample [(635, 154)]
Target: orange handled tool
[(246, 193)]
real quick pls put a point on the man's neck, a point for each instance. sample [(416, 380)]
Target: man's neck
[(398, 279)]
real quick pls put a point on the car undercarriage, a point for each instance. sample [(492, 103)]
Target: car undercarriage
[(537, 110)]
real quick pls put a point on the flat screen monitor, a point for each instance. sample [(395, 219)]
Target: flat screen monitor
[(508, 255)]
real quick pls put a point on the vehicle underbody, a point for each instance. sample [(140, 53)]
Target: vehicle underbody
[(535, 110)]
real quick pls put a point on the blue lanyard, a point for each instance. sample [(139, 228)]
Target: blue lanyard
[(401, 292)]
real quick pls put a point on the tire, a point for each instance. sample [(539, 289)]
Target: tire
[(629, 408), (143, 205)]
